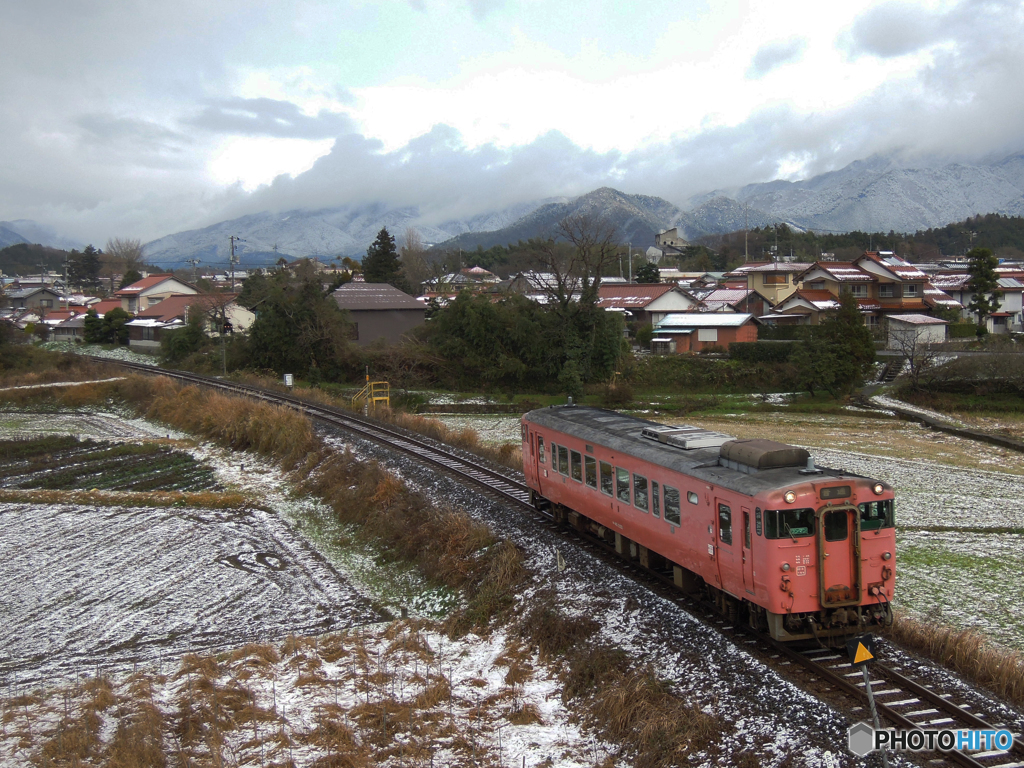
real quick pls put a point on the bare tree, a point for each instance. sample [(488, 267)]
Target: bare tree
[(919, 358), (414, 263), (585, 245), (125, 253)]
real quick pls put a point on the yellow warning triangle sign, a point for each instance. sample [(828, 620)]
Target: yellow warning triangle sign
[(863, 654)]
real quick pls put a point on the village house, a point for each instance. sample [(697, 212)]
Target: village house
[(149, 291), (804, 307), (775, 280), (146, 329), (695, 331), (1009, 316), (644, 303)]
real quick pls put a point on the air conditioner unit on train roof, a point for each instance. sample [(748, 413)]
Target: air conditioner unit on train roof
[(685, 437)]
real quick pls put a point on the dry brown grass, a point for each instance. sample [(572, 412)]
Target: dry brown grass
[(96, 498), (467, 439), (637, 710), (967, 652)]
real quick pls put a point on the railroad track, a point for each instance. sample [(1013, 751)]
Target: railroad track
[(900, 700)]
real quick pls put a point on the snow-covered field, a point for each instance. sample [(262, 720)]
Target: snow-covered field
[(113, 586)]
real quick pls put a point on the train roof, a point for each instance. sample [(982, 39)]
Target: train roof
[(625, 434)]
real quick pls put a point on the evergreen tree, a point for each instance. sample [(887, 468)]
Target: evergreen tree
[(839, 352), (299, 327), (109, 329), (984, 283), (648, 273), (382, 264), (84, 267)]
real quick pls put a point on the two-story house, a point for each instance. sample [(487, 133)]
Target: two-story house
[(775, 280), (150, 291)]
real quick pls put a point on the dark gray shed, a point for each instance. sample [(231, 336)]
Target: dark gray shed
[(379, 310)]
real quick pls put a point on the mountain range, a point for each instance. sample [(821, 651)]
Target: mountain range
[(877, 194)]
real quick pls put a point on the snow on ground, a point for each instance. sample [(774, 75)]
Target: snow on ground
[(110, 585), (145, 571), (99, 350), (771, 717)]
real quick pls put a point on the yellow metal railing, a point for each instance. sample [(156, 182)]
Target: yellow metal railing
[(374, 393)]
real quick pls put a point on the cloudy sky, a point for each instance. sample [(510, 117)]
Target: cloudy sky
[(139, 118)]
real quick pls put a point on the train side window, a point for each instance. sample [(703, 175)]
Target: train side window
[(691, 496), (725, 524), (622, 484), (590, 470), (563, 460), (876, 514), (655, 500), (640, 498), (607, 483), (836, 525), (540, 449), (576, 465), (671, 505)]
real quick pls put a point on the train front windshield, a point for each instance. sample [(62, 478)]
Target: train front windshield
[(788, 523), (877, 514)]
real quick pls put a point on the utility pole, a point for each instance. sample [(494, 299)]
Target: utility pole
[(67, 301), (234, 260), (193, 262), (746, 253), (630, 257)]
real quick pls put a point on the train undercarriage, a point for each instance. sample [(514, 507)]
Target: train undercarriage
[(832, 624)]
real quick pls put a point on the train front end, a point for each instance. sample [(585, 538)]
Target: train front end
[(831, 555)]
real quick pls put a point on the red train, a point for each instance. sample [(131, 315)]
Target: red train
[(793, 549)]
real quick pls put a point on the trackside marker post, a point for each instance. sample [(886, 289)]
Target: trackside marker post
[(862, 652)]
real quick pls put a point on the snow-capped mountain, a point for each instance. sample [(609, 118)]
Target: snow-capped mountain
[(327, 233), (879, 195)]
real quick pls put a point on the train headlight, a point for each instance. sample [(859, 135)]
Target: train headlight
[(785, 567), (878, 489), (790, 497), (887, 556)]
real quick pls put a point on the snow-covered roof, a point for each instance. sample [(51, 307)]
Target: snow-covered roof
[(703, 320), (630, 295), (842, 271), (918, 319)]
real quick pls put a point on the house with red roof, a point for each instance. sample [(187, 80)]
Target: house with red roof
[(146, 329), (734, 300), (151, 290), (804, 307), (644, 303)]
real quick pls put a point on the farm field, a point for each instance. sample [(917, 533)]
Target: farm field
[(109, 584)]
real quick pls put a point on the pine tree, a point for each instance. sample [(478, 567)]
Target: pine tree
[(984, 283), (382, 264)]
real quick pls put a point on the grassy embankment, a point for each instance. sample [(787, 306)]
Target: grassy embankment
[(213, 709)]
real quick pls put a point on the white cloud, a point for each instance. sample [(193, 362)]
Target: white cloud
[(144, 123)]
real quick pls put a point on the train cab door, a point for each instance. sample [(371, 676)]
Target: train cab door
[(747, 553), (839, 555), (538, 459), (726, 525)]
